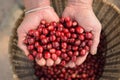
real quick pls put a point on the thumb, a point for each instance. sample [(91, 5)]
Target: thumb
[(24, 48), (96, 40), (81, 59), (21, 37)]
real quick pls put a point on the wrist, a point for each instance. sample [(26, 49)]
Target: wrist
[(32, 4), (39, 13), (80, 3)]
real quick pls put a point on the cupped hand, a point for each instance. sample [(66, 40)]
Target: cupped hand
[(87, 19), (31, 21)]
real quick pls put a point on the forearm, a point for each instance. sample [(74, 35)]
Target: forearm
[(85, 3), (31, 4)]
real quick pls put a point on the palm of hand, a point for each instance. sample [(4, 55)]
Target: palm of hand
[(87, 19), (31, 21)]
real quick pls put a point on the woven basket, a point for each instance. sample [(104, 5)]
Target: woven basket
[(109, 16)]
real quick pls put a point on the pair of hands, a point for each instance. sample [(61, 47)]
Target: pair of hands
[(83, 15)]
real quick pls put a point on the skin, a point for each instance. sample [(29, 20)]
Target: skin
[(81, 12), (84, 15), (31, 21)]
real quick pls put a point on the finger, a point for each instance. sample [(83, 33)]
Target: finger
[(96, 40), (81, 59), (58, 60), (23, 29), (71, 64), (49, 62), (41, 62)]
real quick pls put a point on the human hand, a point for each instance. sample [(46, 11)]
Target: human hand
[(31, 21), (86, 18)]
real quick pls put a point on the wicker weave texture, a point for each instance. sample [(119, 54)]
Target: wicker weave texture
[(109, 16)]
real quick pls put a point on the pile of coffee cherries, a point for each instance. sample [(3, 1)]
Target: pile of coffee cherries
[(65, 39), (91, 69)]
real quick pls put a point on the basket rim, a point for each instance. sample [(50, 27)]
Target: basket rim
[(115, 7), (112, 5)]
